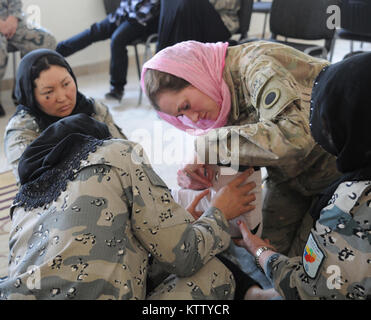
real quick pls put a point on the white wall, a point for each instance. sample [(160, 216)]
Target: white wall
[(65, 18)]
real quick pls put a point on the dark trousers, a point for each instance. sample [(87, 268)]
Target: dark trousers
[(121, 35), (182, 20)]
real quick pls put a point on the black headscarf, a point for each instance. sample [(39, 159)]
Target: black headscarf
[(340, 120), (24, 88), (51, 159)]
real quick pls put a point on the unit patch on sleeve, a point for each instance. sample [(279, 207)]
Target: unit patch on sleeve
[(312, 257)]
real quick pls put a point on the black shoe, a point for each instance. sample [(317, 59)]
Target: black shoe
[(2, 111), (114, 94)]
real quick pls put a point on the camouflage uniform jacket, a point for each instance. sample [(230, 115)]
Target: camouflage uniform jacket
[(143, 11), (11, 8), (93, 240), (336, 262), (270, 87), (228, 11), (22, 129)]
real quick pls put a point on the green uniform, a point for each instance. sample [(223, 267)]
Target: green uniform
[(270, 87)]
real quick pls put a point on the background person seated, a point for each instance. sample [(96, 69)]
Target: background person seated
[(131, 20), (14, 31), (46, 91), (200, 20)]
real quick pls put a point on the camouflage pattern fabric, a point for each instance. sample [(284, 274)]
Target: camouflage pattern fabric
[(336, 260), (228, 11), (22, 129), (25, 39), (143, 11), (270, 87), (94, 241)]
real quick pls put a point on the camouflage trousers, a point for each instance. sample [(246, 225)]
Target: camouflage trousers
[(25, 40), (286, 218)]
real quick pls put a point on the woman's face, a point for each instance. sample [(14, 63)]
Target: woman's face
[(55, 91), (189, 102)]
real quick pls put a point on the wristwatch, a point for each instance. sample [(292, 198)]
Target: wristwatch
[(257, 255)]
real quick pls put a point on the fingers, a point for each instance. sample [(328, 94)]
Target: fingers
[(198, 178), (239, 242), (248, 187), (186, 182), (197, 214), (198, 198), (240, 179), (209, 172), (248, 208), (244, 229)]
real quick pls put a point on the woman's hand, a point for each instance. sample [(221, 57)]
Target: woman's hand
[(250, 241), (235, 198), (192, 207), (195, 176)]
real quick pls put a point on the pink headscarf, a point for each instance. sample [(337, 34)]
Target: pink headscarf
[(201, 64)]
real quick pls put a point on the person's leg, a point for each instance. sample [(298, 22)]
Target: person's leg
[(26, 39), (283, 211), (126, 33), (97, 32), (214, 281), (182, 20)]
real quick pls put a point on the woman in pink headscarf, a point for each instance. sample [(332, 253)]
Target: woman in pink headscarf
[(257, 94)]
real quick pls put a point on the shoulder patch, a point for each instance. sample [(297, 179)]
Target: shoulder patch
[(270, 98), (312, 257)]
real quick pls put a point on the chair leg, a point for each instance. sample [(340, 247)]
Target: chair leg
[(264, 25), (138, 70), (332, 48), (14, 68)]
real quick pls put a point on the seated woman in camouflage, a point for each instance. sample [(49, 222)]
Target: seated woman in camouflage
[(89, 212), (257, 93), (335, 263), (46, 90)]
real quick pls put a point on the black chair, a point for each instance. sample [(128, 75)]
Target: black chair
[(110, 7), (244, 15), (355, 22), (303, 20), (265, 8)]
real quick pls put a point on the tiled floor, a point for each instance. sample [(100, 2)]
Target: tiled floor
[(166, 147)]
